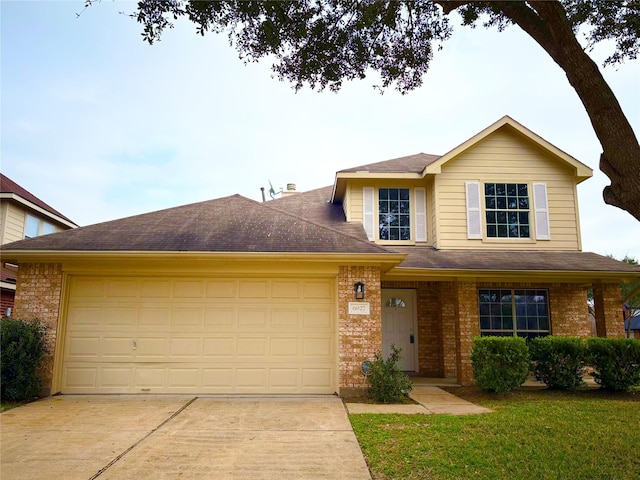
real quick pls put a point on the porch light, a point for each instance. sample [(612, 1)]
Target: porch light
[(358, 288)]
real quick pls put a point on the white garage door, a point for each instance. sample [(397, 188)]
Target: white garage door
[(196, 335)]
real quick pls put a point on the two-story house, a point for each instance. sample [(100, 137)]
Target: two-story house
[(22, 215), (292, 295)]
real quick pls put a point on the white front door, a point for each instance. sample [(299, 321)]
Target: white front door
[(399, 324)]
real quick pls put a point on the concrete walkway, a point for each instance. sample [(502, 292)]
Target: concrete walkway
[(167, 437), (430, 400)]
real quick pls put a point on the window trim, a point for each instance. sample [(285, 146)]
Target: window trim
[(514, 310), (538, 212), (419, 230)]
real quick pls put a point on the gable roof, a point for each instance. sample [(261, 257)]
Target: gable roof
[(582, 172), (420, 165), (11, 190), (229, 224)]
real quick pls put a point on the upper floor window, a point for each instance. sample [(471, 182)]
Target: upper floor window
[(394, 214), (507, 210), (34, 227)]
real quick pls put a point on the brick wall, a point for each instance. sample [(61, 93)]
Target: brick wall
[(449, 319), (38, 296), (360, 336), (569, 310), (467, 328), (608, 310)]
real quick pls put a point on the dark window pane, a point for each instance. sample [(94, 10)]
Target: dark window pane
[(501, 189), (522, 190), (490, 202), (383, 194), (492, 231), (489, 189), (501, 202)]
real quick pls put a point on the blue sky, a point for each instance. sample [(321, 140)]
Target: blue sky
[(101, 125)]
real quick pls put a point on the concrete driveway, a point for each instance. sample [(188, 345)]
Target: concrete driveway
[(169, 437)]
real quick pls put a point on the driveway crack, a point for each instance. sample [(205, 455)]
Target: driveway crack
[(151, 432)]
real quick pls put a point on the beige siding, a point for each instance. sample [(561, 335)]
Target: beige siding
[(503, 157), (432, 210), (14, 224), (353, 205)]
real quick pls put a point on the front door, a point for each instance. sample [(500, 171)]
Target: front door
[(398, 325)]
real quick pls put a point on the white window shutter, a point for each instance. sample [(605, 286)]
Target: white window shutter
[(474, 212), (541, 207), (367, 211), (421, 214)]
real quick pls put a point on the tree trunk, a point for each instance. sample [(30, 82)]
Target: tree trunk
[(546, 22)]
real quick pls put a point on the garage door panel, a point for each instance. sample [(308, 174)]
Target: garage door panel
[(187, 316), (220, 317), (254, 318), (185, 348), (154, 317), (88, 316), (83, 347), (317, 318), (184, 335), (118, 317), (254, 289), (220, 348)]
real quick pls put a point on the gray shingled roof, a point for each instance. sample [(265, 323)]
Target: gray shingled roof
[(409, 164), (491, 260), (230, 224)]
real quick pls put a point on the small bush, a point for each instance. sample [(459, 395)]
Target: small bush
[(615, 361), (387, 383), (499, 364), (558, 362), (22, 349)]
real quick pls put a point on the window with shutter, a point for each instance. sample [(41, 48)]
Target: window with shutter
[(474, 218)]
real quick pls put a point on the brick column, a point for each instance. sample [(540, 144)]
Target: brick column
[(359, 336), (38, 293), (449, 320), (467, 327), (569, 311), (608, 309)]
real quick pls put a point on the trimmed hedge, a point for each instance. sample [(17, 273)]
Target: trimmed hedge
[(387, 383), (616, 362), (558, 362), (499, 364), (22, 350)]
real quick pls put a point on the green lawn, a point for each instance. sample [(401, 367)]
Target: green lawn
[(533, 434)]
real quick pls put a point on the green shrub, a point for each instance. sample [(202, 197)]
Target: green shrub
[(387, 383), (615, 361), (22, 350), (558, 362), (499, 364)]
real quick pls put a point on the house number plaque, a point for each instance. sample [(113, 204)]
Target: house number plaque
[(359, 308)]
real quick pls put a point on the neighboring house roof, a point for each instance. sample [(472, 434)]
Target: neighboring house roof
[(230, 224), (11, 190), (635, 323)]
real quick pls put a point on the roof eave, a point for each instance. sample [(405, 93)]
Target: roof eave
[(570, 276)]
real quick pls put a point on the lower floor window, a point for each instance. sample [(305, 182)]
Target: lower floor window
[(514, 312)]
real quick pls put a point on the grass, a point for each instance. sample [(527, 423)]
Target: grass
[(4, 406), (533, 434)]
